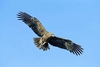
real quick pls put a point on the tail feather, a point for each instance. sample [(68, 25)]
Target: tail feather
[(36, 41), (43, 47)]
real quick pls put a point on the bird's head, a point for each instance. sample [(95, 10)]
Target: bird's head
[(51, 34)]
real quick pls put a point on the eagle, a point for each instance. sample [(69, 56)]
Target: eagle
[(45, 38)]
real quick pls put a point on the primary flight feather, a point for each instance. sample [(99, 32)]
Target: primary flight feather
[(45, 38)]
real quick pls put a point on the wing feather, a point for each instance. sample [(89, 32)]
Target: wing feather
[(32, 22), (66, 44)]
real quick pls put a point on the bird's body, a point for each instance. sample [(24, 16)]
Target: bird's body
[(45, 38)]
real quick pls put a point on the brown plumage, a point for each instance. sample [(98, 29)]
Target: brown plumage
[(45, 38)]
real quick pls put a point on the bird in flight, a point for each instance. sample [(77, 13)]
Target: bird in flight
[(45, 38)]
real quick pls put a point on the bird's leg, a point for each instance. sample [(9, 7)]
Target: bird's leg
[(41, 43), (43, 40)]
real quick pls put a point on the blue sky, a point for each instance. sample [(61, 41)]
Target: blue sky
[(77, 20)]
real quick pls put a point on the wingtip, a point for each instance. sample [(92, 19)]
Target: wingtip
[(78, 50)]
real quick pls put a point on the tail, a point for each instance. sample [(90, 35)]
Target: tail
[(36, 41), (43, 47)]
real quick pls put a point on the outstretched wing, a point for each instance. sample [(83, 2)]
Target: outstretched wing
[(66, 44), (32, 22)]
